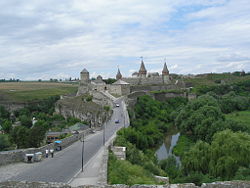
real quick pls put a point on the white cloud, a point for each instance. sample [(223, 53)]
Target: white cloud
[(52, 37)]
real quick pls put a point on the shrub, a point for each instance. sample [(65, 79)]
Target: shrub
[(123, 172)]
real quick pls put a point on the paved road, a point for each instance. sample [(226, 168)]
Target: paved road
[(67, 162)]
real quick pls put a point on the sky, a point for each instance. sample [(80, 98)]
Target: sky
[(43, 39)]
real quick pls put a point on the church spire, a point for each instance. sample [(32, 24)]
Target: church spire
[(165, 69), (142, 70), (118, 75)]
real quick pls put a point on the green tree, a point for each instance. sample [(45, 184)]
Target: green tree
[(19, 136), (36, 135), (6, 126), (4, 142), (4, 113), (25, 121)]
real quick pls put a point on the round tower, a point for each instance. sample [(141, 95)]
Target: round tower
[(118, 75), (84, 76)]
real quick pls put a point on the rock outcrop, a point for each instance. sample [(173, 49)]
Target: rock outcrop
[(83, 108)]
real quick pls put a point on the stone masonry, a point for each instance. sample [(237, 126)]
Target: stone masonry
[(23, 184)]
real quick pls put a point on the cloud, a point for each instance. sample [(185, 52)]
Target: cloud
[(61, 37)]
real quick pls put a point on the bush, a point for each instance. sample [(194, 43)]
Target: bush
[(89, 98), (106, 108), (123, 172), (170, 166)]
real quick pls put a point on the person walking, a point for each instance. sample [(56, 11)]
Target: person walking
[(52, 153), (46, 153)]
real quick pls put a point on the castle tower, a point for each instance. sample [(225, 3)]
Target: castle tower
[(165, 69), (84, 83), (142, 71), (165, 74), (118, 75), (85, 76)]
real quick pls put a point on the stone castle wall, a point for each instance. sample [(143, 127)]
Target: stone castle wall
[(152, 87), (82, 89), (226, 184), (115, 89), (144, 81)]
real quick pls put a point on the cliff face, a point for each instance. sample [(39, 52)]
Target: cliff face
[(79, 108)]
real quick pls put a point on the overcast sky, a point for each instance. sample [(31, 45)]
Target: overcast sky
[(41, 39)]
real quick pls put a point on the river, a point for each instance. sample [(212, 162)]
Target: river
[(166, 149)]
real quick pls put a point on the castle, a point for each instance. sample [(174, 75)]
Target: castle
[(126, 85)]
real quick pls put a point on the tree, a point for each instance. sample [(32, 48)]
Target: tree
[(227, 153), (4, 113), (4, 142), (6, 126), (25, 121), (36, 135), (19, 136)]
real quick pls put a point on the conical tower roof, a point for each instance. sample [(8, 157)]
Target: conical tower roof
[(85, 71), (165, 69), (142, 68), (118, 75)]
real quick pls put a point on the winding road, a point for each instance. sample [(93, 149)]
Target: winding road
[(67, 163)]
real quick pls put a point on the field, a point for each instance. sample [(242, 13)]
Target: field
[(242, 116), (214, 79), (33, 91)]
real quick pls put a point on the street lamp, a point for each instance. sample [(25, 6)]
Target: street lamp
[(82, 140)]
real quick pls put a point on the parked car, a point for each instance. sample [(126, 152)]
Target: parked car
[(117, 121), (117, 105)]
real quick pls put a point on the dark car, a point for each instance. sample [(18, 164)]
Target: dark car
[(117, 121)]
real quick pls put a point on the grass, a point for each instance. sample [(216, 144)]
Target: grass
[(176, 91), (214, 79), (33, 91), (183, 145), (241, 116), (123, 172)]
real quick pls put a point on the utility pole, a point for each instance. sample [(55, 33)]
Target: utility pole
[(103, 137), (82, 140)]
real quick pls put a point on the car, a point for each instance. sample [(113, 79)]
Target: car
[(117, 105), (117, 121), (92, 131)]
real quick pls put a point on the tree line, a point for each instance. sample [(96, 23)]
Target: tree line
[(27, 134), (219, 147)]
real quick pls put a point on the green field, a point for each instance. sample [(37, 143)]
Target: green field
[(33, 91), (241, 116), (214, 79)]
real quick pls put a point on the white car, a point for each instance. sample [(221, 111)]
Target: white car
[(117, 105)]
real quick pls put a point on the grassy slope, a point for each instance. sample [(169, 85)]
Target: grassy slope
[(212, 79), (241, 116), (32, 91)]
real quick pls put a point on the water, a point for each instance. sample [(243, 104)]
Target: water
[(166, 149)]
